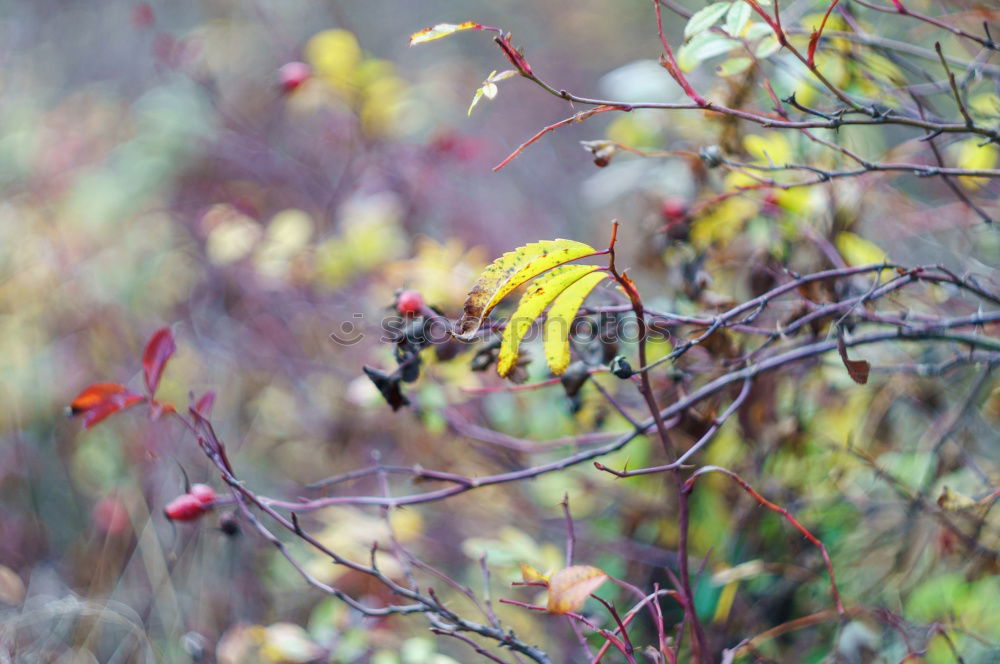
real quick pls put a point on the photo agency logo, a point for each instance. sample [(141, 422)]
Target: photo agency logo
[(606, 328)]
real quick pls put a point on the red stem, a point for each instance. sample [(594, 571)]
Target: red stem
[(689, 486)]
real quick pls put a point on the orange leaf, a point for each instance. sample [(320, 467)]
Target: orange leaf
[(100, 400), (570, 587), (159, 349)]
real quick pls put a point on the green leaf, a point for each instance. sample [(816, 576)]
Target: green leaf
[(489, 87), (510, 271), (737, 17), (702, 47), (703, 19), (757, 30), (768, 46), (560, 319), (734, 65), (545, 289)]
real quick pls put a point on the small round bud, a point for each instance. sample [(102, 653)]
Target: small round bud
[(711, 155), (204, 493), (293, 74), (620, 367), (184, 508), (229, 525), (409, 302)]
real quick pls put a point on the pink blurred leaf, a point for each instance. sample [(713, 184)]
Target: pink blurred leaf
[(204, 405), (158, 351)]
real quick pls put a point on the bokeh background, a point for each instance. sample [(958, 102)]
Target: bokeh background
[(155, 172)]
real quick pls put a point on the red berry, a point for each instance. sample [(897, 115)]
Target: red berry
[(293, 74), (204, 493), (110, 515), (142, 15), (184, 508), (673, 209), (409, 302)]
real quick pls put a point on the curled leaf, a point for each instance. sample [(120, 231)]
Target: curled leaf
[(545, 289), (489, 88), (510, 271), (570, 587), (559, 321), (953, 500), (389, 387), (857, 369), (101, 400), (532, 575), (441, 30), (158, 351)]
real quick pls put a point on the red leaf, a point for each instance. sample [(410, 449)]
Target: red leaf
[(204, 405), (813, 41), (159, 349), (857, 369), (100, 400), (515, 56)]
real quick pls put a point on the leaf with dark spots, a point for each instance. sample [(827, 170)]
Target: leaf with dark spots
[(510, 271)]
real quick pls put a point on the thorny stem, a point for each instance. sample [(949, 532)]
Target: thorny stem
[(701, 649), (899, 8), (646, 387)]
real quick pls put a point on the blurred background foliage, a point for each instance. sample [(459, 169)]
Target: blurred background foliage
[(155, 172)]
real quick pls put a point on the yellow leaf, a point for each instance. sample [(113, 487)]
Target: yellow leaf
[(532, 304), (441, 30), (952, 500), (334, 56), (475, 100), (560, 320), (570, 587), (510, 271), (532, 575), (973, 156), (771, 147), (858, 251), (723, 222)]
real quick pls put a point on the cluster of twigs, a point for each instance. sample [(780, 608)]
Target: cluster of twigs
[(783, 344), (816, 329), (846, 110)]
